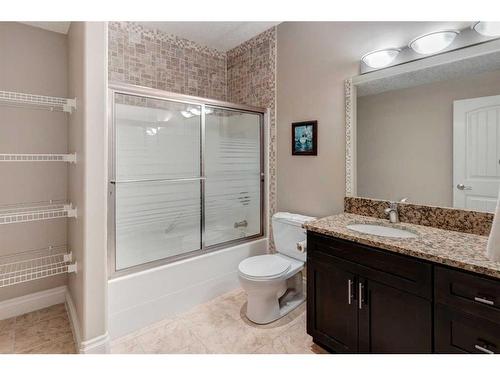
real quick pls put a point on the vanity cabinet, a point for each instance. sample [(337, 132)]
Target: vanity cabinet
[(362, 300)]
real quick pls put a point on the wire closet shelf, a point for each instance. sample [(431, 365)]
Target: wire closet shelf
[(43, 263), (23, 213), (70, 158), (51, 103)]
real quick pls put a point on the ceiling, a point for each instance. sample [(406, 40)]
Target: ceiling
[(58, 27), (219, 35)]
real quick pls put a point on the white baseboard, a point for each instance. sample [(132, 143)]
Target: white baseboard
[(73, 318), (32, 302), (97, 345)]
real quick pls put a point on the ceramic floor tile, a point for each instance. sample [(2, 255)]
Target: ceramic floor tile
[(26, 320), (6, 342), (220, 326), (220, 333), (129, 346), (41, 332), (232, 304), (52, 311), (174, 337), (64, 345), (7, 325)]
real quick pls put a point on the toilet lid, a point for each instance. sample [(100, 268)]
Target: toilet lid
[(264, 266)]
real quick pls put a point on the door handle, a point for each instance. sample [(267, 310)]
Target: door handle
[(484, 300), (463, 187), (361, 290), (349, 291), (483, 349)]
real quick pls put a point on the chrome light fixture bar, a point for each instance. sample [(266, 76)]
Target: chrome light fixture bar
[(484, 28), (433, 42), (380, 58)]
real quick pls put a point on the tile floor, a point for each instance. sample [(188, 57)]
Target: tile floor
[(220, 326), (44, 331)]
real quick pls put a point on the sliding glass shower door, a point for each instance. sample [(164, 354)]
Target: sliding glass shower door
[(233, 171), (186, 178)]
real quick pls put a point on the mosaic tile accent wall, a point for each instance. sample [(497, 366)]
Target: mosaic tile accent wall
[(455, 219), (244, 75), (251, 80), (155, 59)]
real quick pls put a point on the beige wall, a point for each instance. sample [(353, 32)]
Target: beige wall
[(405, 139), (33, 61), (88, 181)]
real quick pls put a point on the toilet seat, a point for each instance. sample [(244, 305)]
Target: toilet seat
[(264, 267)]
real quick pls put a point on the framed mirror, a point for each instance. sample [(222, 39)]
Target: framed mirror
[(427, 130)]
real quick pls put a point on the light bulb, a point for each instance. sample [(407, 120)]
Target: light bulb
[(433, 42)]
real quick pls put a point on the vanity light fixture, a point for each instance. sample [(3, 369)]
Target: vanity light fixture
[(380, 58), (487, 28), (433, 42)]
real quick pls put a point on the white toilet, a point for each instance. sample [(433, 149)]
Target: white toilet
[(273, 282)]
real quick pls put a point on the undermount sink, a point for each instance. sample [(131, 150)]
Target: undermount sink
[(382, 230)]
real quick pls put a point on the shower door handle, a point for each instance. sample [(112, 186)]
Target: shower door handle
[(114, 182)]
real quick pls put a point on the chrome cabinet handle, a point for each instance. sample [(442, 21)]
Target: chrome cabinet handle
[(484, 300), (349, 291), (463, 187), (483, 349), (360, 304)]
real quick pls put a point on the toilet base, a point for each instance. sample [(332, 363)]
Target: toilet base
[(263, 308)]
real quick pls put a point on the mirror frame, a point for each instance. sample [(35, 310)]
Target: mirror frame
[(427, 64)]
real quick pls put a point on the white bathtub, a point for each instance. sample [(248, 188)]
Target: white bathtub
[(145, 297)]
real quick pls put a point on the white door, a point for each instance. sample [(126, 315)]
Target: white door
[(476, 153)]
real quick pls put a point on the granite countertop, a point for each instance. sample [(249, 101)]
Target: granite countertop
[(455, 249)]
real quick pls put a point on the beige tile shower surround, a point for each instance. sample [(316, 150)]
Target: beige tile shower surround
[(220, 327), (245, 74)]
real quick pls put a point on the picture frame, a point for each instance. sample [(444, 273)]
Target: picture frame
[(305, 138)]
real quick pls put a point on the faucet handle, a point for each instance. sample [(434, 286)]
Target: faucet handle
[(403, 200)]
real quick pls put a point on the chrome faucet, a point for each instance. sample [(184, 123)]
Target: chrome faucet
[(392, 210)]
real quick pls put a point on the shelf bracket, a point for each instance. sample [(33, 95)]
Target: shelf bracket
[(71, 158), (72, 212), (70, 105), (72, 268)]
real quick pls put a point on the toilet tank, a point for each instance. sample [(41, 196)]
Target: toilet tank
[(288, 232)]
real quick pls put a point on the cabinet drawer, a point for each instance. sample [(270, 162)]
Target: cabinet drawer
[(400, 271), (470, 293), (457, 332)]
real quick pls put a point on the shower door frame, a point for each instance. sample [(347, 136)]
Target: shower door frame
[(146, 92)]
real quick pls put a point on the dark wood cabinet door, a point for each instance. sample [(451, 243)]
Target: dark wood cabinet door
[(331, 310), (393, 321)]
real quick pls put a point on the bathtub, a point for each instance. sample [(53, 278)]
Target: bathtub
[(143, 298)]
